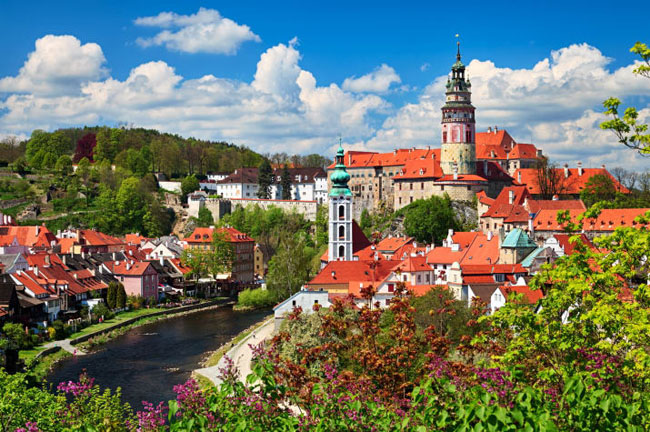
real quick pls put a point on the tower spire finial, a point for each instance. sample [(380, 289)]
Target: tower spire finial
[(458, 45)]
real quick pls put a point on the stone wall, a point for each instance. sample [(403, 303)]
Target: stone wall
[(306, 208)]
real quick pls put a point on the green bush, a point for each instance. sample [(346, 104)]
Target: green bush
[(256, 298)]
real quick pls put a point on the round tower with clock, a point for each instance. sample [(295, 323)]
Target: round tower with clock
[(458, 153)]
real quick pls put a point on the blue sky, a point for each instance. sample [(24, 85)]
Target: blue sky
[(277, 82)]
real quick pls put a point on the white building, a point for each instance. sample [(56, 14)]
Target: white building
[(240, 184), (302, 299), (340, 213), (307, 184)]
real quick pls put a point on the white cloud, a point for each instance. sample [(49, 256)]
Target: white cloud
[(205, 31), (556, 104), (58, 65), (282, 109), (377, 81), (424, 67)]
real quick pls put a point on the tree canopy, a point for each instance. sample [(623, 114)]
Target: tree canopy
[(429, 220)]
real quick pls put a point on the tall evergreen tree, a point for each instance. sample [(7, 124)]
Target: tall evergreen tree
[(111, 296), (286, 183), (120, 301), (264, 180)]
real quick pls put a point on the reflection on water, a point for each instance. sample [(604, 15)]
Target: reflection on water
[(148, 361)]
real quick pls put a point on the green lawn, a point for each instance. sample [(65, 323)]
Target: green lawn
[(28, 355), (122, 316)]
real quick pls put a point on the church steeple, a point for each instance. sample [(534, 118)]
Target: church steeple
[(340, 212)]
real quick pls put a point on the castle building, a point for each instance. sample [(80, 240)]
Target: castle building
[(340, 212)]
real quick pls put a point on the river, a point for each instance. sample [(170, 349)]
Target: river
[(149, 360)]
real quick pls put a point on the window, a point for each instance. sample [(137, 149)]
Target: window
[(341, 251), (405, 278), (341, 232), (315, 301), (341, 212), (400, 186), (391, 287), (411, 186), (400, 200), (410, 199), (293, 303), (419, 278), (422, 185), (444, 136)]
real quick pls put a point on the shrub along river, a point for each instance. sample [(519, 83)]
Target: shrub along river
[(149, 360)]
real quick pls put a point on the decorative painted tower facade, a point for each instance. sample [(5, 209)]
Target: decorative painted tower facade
[(458, 153), (340, 212)]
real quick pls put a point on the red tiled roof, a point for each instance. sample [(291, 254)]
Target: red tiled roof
[(138, 268), (501, 208), (179, 266), (483, 198), (420, 290), (573, 184), (449, 178), (134, 239), (421, 168), (480, 279), (413, 264), (67, 244), (608, 220), (490, 151), (97, 238), (346, 271), (41, 259), (530, 295), (569, 247), (488, 269), (204, 235), (398, 157), (535, 206), (500, 138), (523, 151), (27, 279), (30, 236), (241, 175)]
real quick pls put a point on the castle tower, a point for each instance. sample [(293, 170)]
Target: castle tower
[(340, 212), (458, 124)]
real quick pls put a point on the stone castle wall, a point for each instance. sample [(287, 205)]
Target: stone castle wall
[(221, 206), (462, 153)]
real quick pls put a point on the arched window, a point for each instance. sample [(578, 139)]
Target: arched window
[(341, 212), (341, 232), (341, 251)]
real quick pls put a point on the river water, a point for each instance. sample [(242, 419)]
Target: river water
[(148, 361)]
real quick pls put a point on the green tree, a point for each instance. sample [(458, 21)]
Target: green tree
[(158, 219), (16, 336), (218, 259), (599, 187), (285, 182), (130, 206), (429, 220), (120, 299), (111, 295), (189, 184), (448, 316), (205, 218), (64, 165), (629, 131), (83, 170), (264, 180), (290, 267)]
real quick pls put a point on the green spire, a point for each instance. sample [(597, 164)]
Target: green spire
[(340, 176)]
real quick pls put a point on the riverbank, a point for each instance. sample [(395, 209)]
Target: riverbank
[(40, 360), (238, 350)]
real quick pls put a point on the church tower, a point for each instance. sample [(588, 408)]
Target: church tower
[(458, 124), (340, 212)]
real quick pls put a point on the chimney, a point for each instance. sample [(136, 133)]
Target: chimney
[(349, 159), (539, 153), (489, 129), (114, 256), (83, 254), (496, 129), (35, 271), (455, 171), (519, 177), (604, 166), (333, 273), (162, 261), (531, 228), (556, 198), (75, 276), (64, 259), (566, 170), (395, 151), (128, 265), (579, 168), (511, 196), (489, 235), (47, 261), (485, 168)]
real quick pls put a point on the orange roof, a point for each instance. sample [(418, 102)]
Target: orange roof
[(343, 272), (204, 235), (490, 151), (608, 220), (502, 208), (392, 244), (134, 239), (421, 168), (530, 295), (523, 151), (413, 264), (572, 184), (420, 290), (40, 259), (475, 248), (569, 247), (29, 236), (483, 198), (138, 268), (67, 244), (489, 269), (499, 138), (27, 279), (535, 206), (97, 238), (179, 266), (398, 157), (461, 178), (58, 273)]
